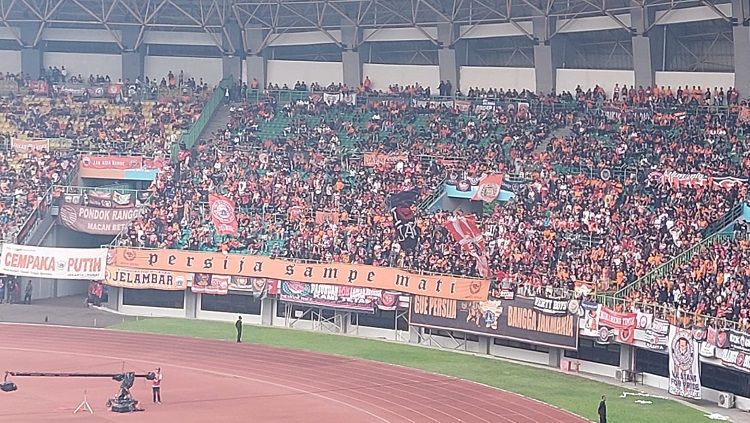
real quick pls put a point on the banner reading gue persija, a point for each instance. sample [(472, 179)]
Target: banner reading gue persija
[(389, 278), (520, 319), (146, 279), (53, 263)]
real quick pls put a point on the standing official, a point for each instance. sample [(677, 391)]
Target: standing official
[(238, 326), (156, 385), (603, 410)]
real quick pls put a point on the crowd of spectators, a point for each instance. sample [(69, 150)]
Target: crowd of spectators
[(561, 230), (101, 125)]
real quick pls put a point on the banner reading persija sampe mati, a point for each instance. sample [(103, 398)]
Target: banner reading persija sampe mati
[(53, 263), (684, 367)]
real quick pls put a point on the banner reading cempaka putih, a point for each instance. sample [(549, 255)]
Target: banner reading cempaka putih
[(53, 263), (520, 319)]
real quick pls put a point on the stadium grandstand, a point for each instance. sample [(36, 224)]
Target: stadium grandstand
[(414, 170)]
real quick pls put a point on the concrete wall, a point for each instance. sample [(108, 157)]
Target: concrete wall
[(210, 69), (290, 71), (496, 77), (384, 75), (86, 64), (569, 79)]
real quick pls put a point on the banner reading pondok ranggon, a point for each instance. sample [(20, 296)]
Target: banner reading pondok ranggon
[(97, 221), (388, 278), (53, 263)]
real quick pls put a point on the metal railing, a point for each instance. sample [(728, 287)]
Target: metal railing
[(668, 267), (674, 315), (190, 138)]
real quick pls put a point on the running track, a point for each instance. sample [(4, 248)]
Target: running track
[(216, 382)]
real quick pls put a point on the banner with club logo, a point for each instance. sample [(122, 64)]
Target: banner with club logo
[(53, 263), (620, 325), (97, 221), (338, 297), (147, 279), (222, 214), (520, 319), (684, 366)]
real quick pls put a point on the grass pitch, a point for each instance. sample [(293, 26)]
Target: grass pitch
[(570, 392)]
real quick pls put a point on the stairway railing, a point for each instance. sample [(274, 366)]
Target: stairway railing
[(668, 267), (190, 138)]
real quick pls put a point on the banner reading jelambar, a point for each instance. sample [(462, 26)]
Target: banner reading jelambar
[(388, 278), (97, 221), (516, 319), (146, 279)]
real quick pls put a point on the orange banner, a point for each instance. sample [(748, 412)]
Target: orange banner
[(442, 286), (147, 279)]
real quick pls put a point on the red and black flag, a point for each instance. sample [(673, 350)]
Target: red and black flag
[(401, 205)]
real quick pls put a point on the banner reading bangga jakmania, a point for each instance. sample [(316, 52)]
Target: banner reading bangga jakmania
[(520, 319), (684, 367)]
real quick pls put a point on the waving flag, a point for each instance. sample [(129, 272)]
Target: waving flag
[(222, 214), (466, 233), (489, 188), (403, 218)]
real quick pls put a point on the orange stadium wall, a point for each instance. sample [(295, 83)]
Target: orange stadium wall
[(290, 71)]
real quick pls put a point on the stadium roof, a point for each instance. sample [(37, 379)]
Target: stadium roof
[(291, 15)]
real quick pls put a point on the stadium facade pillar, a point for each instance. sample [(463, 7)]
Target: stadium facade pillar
[(627, 357), (32, 56), (484, 345), (132, 56), (267, 311), (647, 46), (547, 55), (449, 71), (191, 304), (351, 38), (255, 60), (555, 357), (113, 298), (741, 36), (231, 46)]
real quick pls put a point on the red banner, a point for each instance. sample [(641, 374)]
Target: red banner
[(111, 162), (222, 214), (489, 188), (624, 324), (338, 296), (39, 87), (210, 284)]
